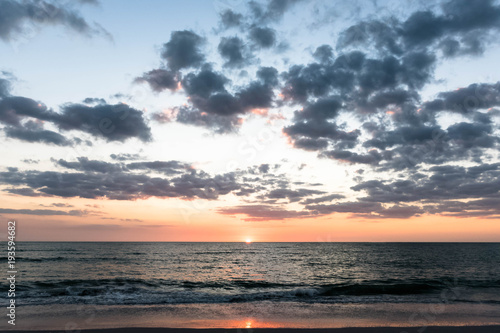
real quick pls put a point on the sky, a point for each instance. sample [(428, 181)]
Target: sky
[(279, 120)]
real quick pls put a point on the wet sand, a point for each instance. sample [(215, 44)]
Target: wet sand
[(431, 329)]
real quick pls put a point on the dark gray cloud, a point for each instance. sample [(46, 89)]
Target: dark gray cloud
[(58, 204), (230, 19), (90, 166), (119, 185), (125, 157), (323, 53), (165, 167), (160, 79), (14, 109), (43, 212), (94, 179), (214, 107), (371, 210), (471, 135), (461, 28), (399, 131), (86, 165), (263, 37), (312, 129), (4, 86), (117, 122), (441, 183), (183, 50), (204, 83), (376, 88), (216, 123), (329, 197), (263, 212), (269, 12), (326, 108), (30, 161), (28, 134), (466, 100), (264, 168), (372, 157), (232, 50), (24, 118), (16, 15), (272, 11), (93, 100), (268, 75), (291, 195), (401, 61), (355, 77)]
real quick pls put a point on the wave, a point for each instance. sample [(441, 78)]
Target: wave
[(163, 291), (22, 259)]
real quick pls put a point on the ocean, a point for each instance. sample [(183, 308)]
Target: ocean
[(176, 273)]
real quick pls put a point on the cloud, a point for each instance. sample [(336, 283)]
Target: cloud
[(4, 86), (118, 181), (230, 19), (183, 50), (372, 157), (326, 108), (311, 129), (263, 37), (273, 11), (232, 50), (117, 122), (86, 165), (125, 157), (165, 167), (160, 79), (214, 107), (37, 135), (466, 100), (323, 53), (216, 123), (204, 83), (93, 100), (329, 197), (24, 118), (92, 179), (397, 60), (370, 210), (262, 212), (13, 109), (268, 75), (60, 205), (461, 28), (291, 195), (15, 16), (442, 183), (445, 190), (30, 161), (43, 212)]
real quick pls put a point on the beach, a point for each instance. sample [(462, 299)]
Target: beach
[(432, 329), (244, 317)]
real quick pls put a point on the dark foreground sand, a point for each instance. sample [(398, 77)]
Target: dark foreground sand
[(431, 329), (259, 317)]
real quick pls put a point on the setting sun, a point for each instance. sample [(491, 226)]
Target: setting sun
[(248, 241)]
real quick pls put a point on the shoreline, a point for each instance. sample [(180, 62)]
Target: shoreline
[(260, 317), (430, 329)]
